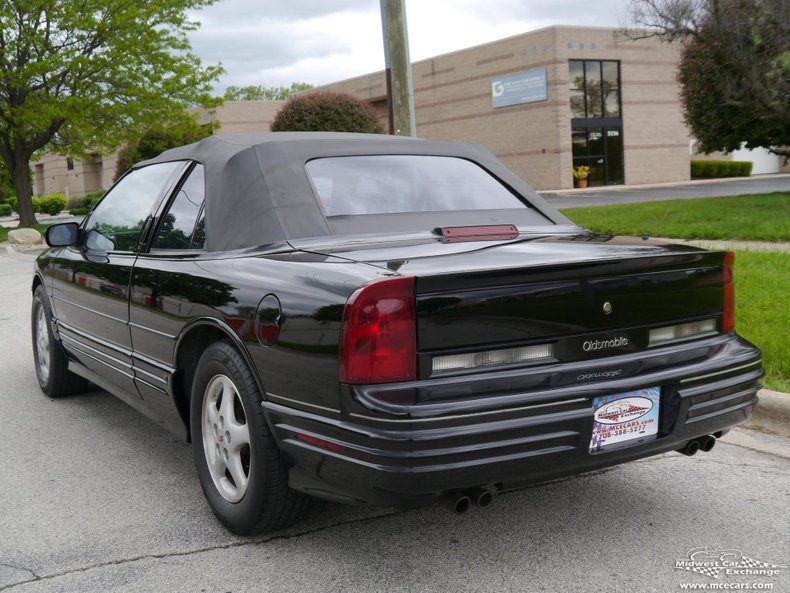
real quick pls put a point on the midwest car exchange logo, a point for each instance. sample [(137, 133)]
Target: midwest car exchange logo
[(717, 562)]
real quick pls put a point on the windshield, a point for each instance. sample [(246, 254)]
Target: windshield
[(384, 184)]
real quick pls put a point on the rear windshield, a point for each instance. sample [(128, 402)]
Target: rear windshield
[(384, 184)]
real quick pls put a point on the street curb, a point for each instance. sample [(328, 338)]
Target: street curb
[(771, 414)]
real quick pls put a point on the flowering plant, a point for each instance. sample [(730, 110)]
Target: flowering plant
[(581, 172)]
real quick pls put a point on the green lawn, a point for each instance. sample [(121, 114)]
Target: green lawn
[(4, 231), (763, 217), (762, 310)]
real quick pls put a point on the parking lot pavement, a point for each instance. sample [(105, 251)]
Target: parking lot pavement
[(94, 497)]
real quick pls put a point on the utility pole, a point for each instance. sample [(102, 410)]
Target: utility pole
[(400, 90)]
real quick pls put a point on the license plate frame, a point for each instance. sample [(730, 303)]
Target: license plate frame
[(625, 419)]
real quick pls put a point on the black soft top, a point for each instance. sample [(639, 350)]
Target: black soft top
[(258, 192)]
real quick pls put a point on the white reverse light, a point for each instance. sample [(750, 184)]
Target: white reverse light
[(492, 358), (684, 330)]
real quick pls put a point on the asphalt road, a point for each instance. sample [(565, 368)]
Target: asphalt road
[(625, 195), (94, 497)]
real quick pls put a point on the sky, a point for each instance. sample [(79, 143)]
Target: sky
[(276, 42)]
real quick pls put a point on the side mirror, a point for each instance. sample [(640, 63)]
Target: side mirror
[(61, 235)]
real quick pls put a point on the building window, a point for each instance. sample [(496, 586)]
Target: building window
[(69, 163), (594, 88)]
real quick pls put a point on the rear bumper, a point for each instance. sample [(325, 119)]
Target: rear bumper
[(499, 433)]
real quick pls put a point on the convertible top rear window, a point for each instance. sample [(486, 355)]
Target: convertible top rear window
[(387, 184)]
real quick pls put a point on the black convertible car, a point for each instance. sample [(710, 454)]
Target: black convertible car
[(382, 320)]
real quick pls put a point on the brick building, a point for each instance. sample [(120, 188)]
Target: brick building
[(75, 177), (550, 99), (72, 176)]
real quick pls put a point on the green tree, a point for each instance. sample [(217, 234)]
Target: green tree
[(734, 70), (6, 185), (264, 93), (81, 77), (327, 111), (156, 140)]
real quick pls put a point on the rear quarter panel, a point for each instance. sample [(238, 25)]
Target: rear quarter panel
[(169, 294)]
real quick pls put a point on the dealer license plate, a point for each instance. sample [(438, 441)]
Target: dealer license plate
[(625, 419)]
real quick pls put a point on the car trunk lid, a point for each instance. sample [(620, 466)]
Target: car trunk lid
[(566, 289)]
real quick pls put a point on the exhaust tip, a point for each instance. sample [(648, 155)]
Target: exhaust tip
[(481, 497), (707, 443), (458, 502), (462, 504), (690, 449)]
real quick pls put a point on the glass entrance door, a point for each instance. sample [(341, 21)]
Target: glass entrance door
[(597, 119), (601, 149)]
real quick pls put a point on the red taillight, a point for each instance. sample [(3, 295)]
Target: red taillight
[(378, 340), (728, 317)]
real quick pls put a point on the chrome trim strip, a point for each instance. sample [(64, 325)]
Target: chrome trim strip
[(107, 364), (85, 349), (418, 469), (115, 348), (735, 408), (721, 372), (93, 338), (84, 308), (154, 387), (137, 369), (473, 414), (153, 331), (438, 451), (723, 400), (708, 387), (154, 363), (301, 403)]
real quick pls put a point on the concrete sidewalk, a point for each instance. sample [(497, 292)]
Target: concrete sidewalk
[(727, 245), (772, 414), (65, 216), (701, 188)]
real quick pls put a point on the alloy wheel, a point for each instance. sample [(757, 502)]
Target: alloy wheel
[(42, 345), (226, 438)]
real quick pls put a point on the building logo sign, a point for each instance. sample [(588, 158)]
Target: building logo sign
[(517, 89)]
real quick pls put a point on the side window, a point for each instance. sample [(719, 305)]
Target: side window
[(178, 229), (116, 222)]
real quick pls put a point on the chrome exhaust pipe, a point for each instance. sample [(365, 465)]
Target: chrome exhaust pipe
[(707, 443), (481, 497), (458, 502), (690, 448)]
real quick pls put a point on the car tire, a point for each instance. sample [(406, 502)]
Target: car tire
[(241, 470), (50, 360)]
